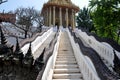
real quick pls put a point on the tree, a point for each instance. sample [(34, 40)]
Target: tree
[(39, 20), (105, 14), (25, 17), (1, 1), (84, 20)]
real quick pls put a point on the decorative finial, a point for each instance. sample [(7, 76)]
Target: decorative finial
[(29, 52), (41, 57), (17, 45), (3, 39)]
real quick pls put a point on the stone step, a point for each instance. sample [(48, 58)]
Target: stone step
[(67, 79), (67, 76), (60, 71), (65, 53), (66, 56), (66, 66), (65, 59), (66, 62)]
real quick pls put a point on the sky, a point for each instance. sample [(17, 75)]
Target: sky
[(11, 5)]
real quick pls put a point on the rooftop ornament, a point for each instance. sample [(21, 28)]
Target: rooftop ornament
[(28, 59), (39, 62), (4, 47), (18, 54)]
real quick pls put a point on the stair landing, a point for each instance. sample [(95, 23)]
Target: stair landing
[(66, 67)]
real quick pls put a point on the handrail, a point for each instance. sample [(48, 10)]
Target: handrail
[(36, 42), (45, 74), (88, 72), (109, 41), (27, 40), (102, 70), (102, 50)]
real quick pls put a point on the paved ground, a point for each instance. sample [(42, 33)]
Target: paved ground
[(65, 45), (45, 44)]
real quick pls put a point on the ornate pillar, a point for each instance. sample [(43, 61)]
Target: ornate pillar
[(60, 16), (66, 17), (50, 17), (74, 19), (73, 24), (53, 15)]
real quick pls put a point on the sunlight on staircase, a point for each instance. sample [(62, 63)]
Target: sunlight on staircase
[(66, 67)]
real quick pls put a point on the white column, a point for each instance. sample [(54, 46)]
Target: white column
[(66, 17), (47, 17), (53, 15), (60, 15), (50, 17), (73, 19)]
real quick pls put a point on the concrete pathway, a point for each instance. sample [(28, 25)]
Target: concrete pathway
[(66, 67)]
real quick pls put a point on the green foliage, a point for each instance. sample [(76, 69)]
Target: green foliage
[(106, 17), (84, 19)]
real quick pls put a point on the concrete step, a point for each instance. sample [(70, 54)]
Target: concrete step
[(65, 56), (66, 66), (67, 76), (60, 71), (64, 62), (67, 79)]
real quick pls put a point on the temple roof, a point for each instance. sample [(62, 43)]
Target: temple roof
[(61, 3)]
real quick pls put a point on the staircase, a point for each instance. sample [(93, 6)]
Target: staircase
[(66, 67)]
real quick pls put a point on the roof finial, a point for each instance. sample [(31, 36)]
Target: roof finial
[(3, 39)]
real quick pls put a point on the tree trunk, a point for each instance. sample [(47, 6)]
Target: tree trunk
[(26, 33), (118, 38)]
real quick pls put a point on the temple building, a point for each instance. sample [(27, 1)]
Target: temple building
[(60, 13)]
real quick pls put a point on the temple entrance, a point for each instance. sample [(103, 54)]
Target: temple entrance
[(60, 14), (57, 22)]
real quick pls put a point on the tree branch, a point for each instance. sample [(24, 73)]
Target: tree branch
[(1, 1), (18, 26)]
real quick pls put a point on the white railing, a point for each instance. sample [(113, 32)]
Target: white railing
[(85, 64), (105, 52), (37, 42), (110, 47), (47, 75)]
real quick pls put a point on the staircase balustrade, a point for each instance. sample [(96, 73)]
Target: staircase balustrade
[(102, 70), (48, 68), (37, 42), (89, 73), (105, 52)]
